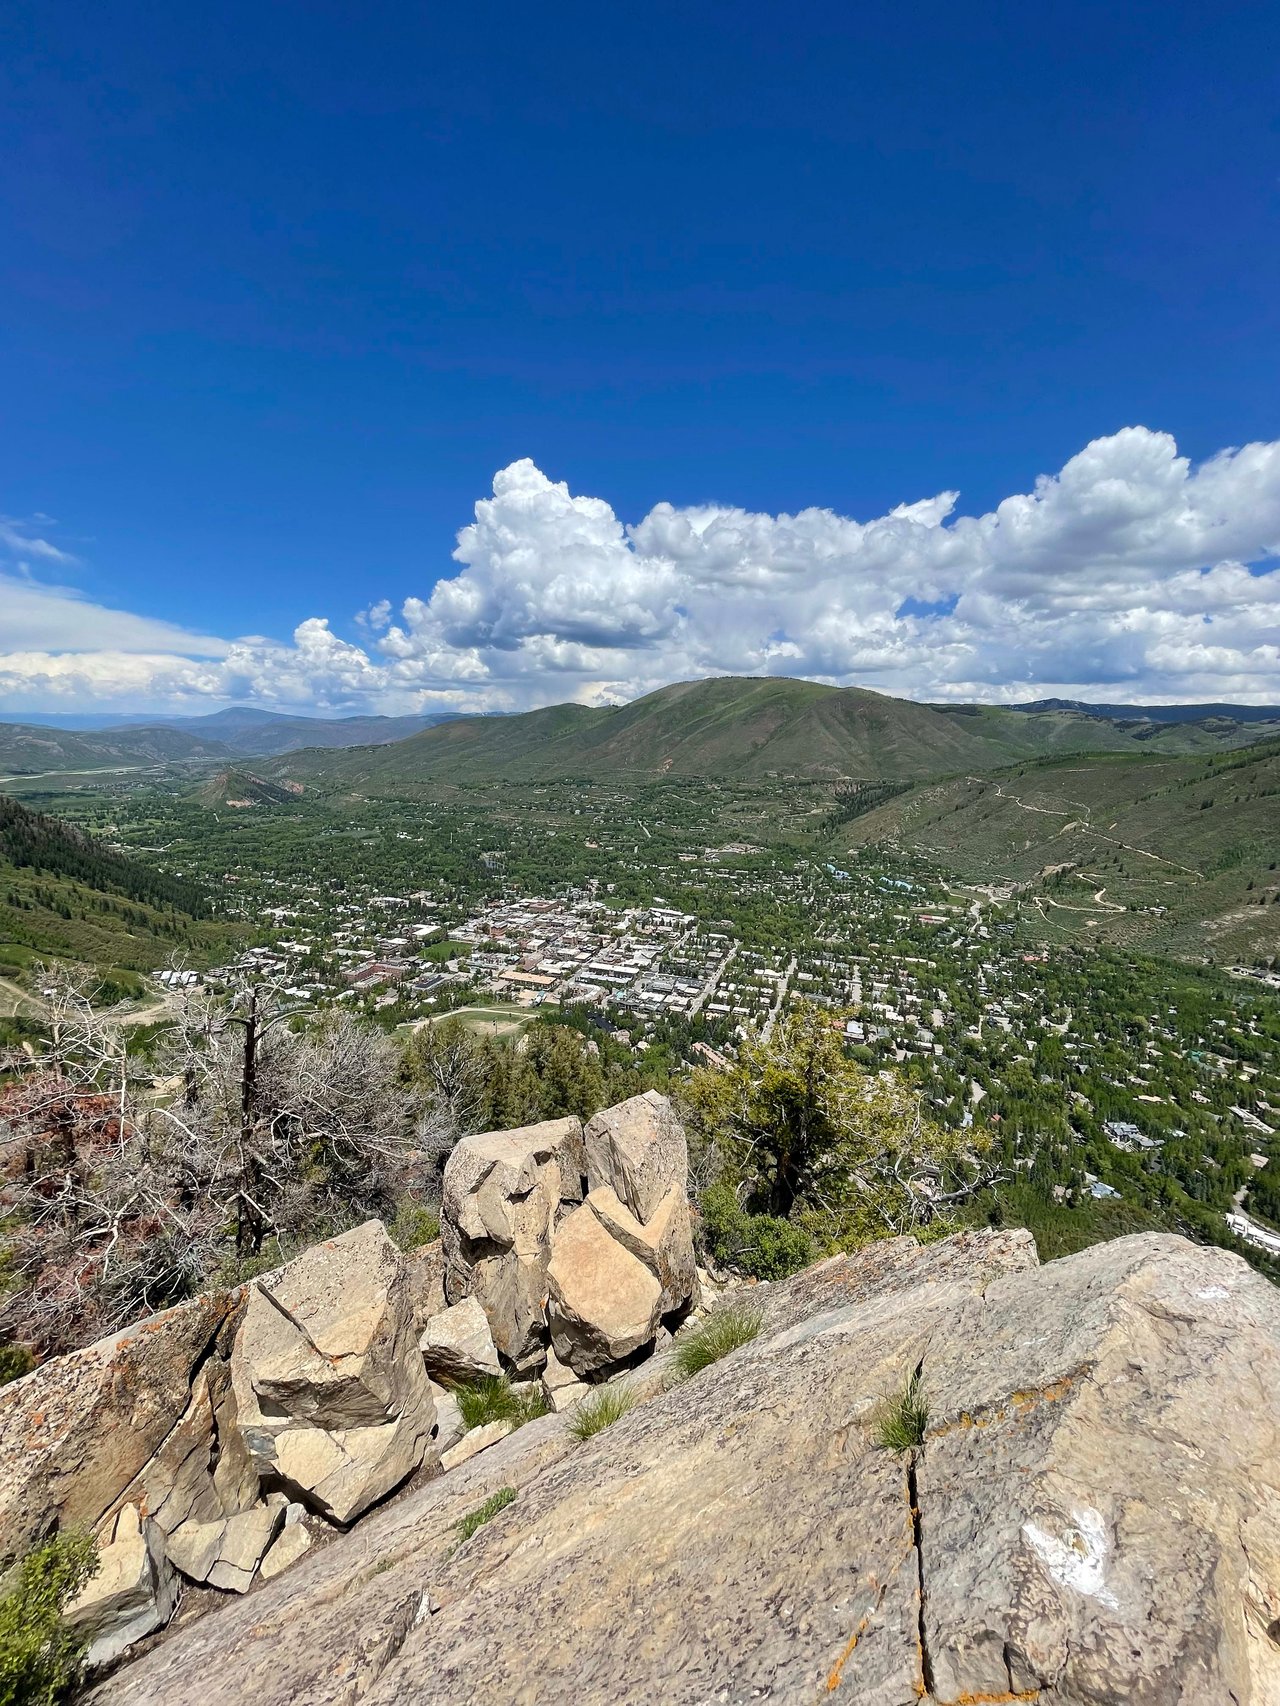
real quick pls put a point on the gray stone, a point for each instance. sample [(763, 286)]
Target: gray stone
[(639, 1149), (133, 1593), (457, 1344), (1098, 1519)]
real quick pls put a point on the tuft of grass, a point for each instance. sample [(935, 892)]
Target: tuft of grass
[(902, 1420), (728, 1326), (600, 1409), (491, 1399), (486, 1512)]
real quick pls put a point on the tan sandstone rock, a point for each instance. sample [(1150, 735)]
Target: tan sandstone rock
[(133, 1593), (293, 1543), (76, 1434), (244, 1540), (639, 1149), (450, 1426), (333, 1398), (457, 1344), (605, 1302), (1095, 1517), (664, 1243), (425, 1268), (504, 1193), (474, 1441)]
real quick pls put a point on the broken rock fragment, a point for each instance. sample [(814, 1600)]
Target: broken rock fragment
[(639, 1148), (333, 1401), (133, 1593), (457, 1344)]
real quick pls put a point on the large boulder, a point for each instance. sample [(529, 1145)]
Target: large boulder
[(605, 1302), (664, 1243), (1093, 1518), (639, 1148), (334, 1405), (77, 1435), (133, 1593), (503, 1196)]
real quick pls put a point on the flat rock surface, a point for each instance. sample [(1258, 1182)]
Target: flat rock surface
[(1094, 1517)]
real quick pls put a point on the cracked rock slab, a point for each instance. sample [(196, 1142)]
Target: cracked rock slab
[(503, 1195), (1095, 1518), (639, 1149)]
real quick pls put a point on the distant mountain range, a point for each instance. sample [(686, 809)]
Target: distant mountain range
[(1161, 713), (751, 728), (47, 742), (744, 727)]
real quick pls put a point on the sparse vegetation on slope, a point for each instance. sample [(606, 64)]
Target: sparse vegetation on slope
[(731, 1324), (493, 1399), (600, 1409), (40, 1657), (901, 1422), (739, 727), (476, 1519)]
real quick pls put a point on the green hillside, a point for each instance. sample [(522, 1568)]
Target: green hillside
[(64, 895), (1178, 854), (745, 729), (27, 750), (241, 788)]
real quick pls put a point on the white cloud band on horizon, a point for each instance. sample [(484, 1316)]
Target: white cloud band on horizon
[(1129, 576)]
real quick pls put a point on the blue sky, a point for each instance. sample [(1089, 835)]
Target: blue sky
[(287, 286)]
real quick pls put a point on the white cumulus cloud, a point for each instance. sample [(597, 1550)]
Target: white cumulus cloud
[(1131, 574)]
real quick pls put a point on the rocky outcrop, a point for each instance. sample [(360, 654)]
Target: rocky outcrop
[(332, 1395), (1093, 1516), (78, 1433), (504, 1193), (595, 1278), (663, 1243), (179, 1442)]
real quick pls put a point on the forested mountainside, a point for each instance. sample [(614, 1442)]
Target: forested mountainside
[(65, 894)]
